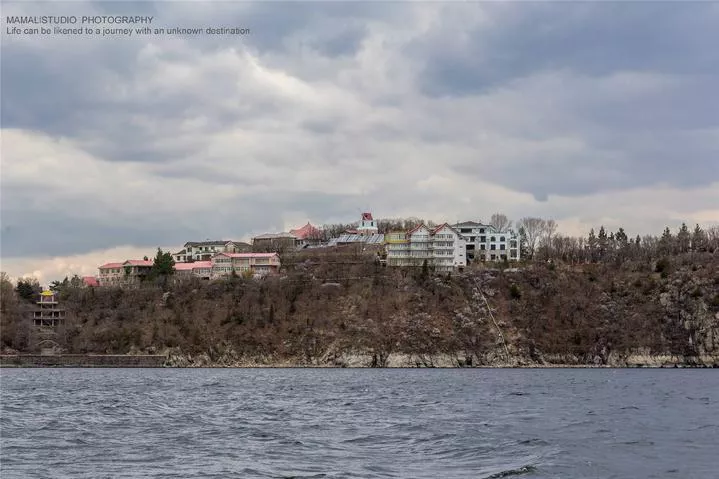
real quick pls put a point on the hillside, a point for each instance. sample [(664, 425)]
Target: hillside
[(348, 310)]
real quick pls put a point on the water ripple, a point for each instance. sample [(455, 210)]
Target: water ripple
[(484, 424)]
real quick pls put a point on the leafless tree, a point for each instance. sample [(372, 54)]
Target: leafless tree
[(500, 222), (533, 229)]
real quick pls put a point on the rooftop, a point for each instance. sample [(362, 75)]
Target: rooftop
[(208, 243), (307, 231)]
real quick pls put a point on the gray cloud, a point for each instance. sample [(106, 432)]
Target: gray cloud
[(428, 109)]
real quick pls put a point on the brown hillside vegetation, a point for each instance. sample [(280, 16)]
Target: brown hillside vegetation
[(328, 306)]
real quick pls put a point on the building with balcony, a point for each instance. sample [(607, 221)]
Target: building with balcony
[(47, 325), (204, 250), (485, 243), (195, 269), (131, 272), (443, 248), (255, 264), (274, 242)]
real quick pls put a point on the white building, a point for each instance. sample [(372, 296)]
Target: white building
[(485, 243), (443, 248), (204, 250), (367, 225)]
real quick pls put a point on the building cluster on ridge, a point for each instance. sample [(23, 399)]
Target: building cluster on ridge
[(443, 248)]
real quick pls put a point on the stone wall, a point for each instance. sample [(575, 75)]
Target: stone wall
[(82, 360)]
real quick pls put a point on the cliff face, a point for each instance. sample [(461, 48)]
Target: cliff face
[(359, 313)]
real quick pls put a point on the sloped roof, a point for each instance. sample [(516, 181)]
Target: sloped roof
[(305, 232), (137, 262), (367, 216), (207, 243), (110, 266), (90, 281), (191, 266), (469, 224), (247, 255), (435, 230), (421, 225), (275, 236)]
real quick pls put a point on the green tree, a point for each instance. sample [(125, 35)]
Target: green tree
[(28, 289), (163, 266)]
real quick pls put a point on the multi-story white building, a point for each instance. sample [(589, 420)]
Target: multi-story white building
[(204, 250), (443, 248), (485, 243)]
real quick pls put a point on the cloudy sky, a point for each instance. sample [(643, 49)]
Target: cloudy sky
[(588, 113)]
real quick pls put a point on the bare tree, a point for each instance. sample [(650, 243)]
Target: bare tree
[(500, 222), (533, 229)]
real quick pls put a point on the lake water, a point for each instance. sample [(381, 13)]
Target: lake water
[(348, 423)]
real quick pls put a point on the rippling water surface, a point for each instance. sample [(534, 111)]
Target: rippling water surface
[(281, 423)]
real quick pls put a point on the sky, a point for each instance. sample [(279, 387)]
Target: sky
[(589, 113)]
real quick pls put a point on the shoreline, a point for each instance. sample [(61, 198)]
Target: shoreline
[(345, 361)]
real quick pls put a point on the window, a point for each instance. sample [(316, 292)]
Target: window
[(482, 239), (481, 230), (493, 247), (494, 238), (482, 247), (501, 238), (502, 246)]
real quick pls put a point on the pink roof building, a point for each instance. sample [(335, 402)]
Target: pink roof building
[(307, 233)]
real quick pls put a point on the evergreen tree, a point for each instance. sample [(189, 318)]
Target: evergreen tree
[(622, 238), (28, 289), (592, 243), (683, 239), (699, 239), (603, 243), (425, 270), (666, 243), (163, 266)]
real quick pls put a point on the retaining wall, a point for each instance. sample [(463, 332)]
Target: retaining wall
[(82, 361)]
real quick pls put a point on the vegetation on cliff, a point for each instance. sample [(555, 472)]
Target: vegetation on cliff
[(585, 306)]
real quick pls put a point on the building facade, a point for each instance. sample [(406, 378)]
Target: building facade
[(47, 325), (204, 250), (132, 271), (367, 225), (307, 235), (255, 264), (273, 242), (485, 243), (195, 269), (443, 248)]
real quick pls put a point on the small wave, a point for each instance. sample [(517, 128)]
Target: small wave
[(513, 472)]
